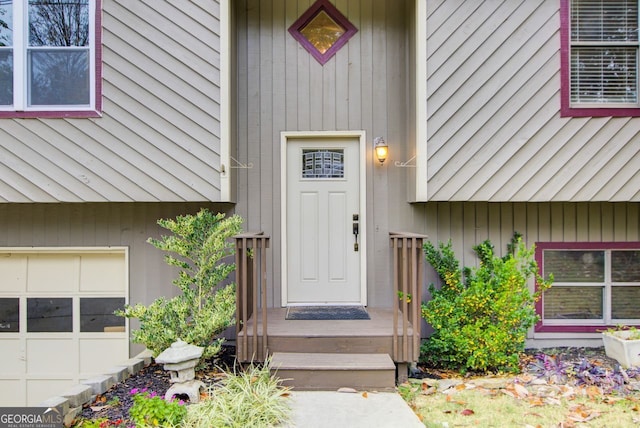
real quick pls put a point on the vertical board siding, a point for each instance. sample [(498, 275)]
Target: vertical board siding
[(102, 225), (281, 87), (469, 223), (494, 126), (159, 135)]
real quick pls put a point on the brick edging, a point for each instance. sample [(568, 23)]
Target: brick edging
[(71, 401)]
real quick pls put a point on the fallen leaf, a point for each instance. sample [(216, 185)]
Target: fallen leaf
[(581, 413), (467, 412), (99, 408), (552, 401), (535, 401), (520, 390), (365, 395), (593, 392), (509, 393)]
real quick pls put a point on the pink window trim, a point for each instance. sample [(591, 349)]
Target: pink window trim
[(540, 247), (97, 111), (565, 77), (336, 15)]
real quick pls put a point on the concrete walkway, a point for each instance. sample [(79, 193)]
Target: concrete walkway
[(329, 409)]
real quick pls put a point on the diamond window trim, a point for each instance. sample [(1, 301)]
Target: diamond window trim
[(312, 13)]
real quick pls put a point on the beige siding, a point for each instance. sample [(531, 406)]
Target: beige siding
[(494, 127), (281, 87), (159, 136)]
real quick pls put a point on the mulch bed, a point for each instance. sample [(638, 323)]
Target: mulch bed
[(567, 355), (114, 404)]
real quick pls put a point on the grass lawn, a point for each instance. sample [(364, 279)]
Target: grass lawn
[(514, 405)]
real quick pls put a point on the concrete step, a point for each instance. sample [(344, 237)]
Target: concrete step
[(331, 371)]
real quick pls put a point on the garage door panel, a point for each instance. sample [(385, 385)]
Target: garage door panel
[(13, 364), (51, 357), (39, 390), (56, 319), (53, 273), (12, 392), (98, 354), (103, 272), (13, 271)]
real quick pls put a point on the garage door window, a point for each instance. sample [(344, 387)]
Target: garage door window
[(9, 315), (96, 314), (46, 315)]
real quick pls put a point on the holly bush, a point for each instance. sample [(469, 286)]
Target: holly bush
[(480, 316), (198, 247)]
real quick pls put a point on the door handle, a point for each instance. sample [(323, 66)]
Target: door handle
[(356, 230)]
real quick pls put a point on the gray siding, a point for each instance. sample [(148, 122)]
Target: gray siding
[(101, 225), (494, 126), (281, 87), (159, 136), (470, 223)]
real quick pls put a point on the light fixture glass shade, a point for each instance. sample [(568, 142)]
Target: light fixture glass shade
[(381, 148)]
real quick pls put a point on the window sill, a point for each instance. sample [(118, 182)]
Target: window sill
[(79, 114), (599, 112), (541, 328)]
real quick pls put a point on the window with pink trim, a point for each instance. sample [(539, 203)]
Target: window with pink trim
[(599, 58), (48, 58), (322, 30), (595, 285)]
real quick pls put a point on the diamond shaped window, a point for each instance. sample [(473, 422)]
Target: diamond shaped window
[(322, 30)]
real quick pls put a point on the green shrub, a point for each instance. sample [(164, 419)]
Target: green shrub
[(204, 308), (151, 410), (480, 316), (252, 398)]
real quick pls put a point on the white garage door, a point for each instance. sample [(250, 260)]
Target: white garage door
[(56, 319)]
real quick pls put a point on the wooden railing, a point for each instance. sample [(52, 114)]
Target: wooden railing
[(406, 249), (251, 280)]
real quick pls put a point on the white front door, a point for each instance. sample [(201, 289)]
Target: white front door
[(324, 221)]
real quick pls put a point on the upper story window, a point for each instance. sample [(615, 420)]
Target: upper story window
[(48, 58), (595, 285), (600, 58)]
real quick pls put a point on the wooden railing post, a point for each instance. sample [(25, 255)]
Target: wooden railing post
[(251, 293), (407, 271)]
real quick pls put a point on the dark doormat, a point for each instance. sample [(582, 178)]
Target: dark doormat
[(327, 313)]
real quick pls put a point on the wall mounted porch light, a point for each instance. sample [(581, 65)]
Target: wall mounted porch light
[(381, 149)]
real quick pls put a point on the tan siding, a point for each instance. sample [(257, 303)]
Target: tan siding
[(159, 136), (494, 128)]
